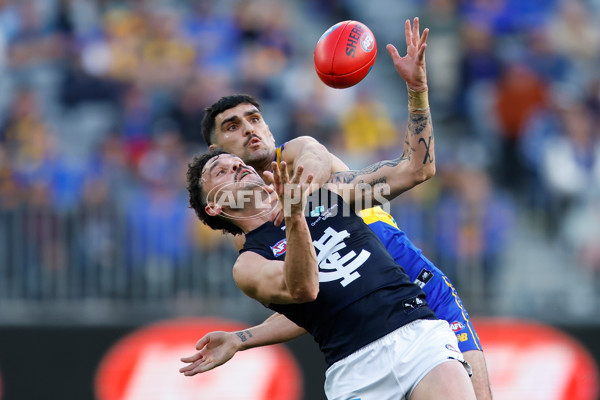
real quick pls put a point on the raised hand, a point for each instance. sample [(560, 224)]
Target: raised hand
[(411, 67), (291, 193)]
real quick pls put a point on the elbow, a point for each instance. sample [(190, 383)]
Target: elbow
[(429, 172), (424, 174), (306, 295)]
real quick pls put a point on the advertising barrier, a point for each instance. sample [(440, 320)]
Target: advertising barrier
[(526, 361), (145, 363), (531, 361)]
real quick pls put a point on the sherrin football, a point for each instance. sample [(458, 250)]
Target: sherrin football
[(345, 54)]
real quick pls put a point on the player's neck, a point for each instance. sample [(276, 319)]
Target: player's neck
[(264, 164)]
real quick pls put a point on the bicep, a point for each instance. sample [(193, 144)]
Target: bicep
[(261, 279), (313, 156)]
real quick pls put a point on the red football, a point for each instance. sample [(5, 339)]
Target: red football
[(345, 54)]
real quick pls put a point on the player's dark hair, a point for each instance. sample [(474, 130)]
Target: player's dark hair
[(224, 103), (197, 197)]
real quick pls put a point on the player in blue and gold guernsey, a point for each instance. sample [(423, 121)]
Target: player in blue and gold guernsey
[(329, 273), (235, 124)]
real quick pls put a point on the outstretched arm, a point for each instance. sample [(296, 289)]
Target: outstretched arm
[(417, 163), (216, 348)]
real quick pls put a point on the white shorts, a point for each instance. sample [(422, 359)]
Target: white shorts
[(392, 366)]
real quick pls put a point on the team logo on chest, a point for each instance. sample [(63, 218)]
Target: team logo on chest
[(332, 266), (279, 248)]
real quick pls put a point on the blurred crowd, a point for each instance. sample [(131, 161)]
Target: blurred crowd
[(100, 105)]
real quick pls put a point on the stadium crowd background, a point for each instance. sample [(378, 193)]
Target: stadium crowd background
[(100, 104)]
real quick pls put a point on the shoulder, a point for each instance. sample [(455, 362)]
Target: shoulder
[(309, 145), (301, 140), (297, 145), (247, 258), (245, 267)]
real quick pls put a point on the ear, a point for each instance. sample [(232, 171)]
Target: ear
[(212, 147), (213, 209)]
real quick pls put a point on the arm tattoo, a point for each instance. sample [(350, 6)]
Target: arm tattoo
[(427, 145), (242, 335), (374, 182), (349, 176), (418, 122), (407, 150)]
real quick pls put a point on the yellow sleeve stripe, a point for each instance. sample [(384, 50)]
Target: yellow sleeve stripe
[(278, 157), (462, 310), (375, 214)]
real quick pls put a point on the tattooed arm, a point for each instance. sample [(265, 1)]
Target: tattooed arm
[(417, 163), (216, 348), (386, 180)]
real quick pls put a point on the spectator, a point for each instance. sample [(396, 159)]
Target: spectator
[(473, 223), (571, 162), (519, 94), (367, 126)]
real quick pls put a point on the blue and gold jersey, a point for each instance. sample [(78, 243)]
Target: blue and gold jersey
[(441, 294)]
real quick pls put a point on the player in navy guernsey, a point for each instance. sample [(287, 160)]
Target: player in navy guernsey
[(333, 277), (356, 274), (235, 124)]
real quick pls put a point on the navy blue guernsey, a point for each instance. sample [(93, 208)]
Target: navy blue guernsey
[(363, 293)]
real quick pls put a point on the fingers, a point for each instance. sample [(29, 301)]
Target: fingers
[(277, 178), (268, 178), (202, 342), (278, 219), (199, 363), (296, 178), (191, 359), (421, 53), (305, 186), (269, 188), (280, 174), (197, 367), (194, 362), (309, 180), (415, 33), (393, 51), (424, 37), (277, 173), (413, 37), (284, 173), (412, 34), (286, 187)]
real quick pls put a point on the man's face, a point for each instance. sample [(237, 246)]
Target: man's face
[(228, 182), (242, 131)]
